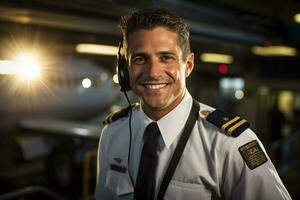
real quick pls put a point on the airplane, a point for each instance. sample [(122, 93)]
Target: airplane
[(68, 88), (45, 112), (71, 88)]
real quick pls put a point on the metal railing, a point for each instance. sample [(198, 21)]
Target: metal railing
[(29, 191)]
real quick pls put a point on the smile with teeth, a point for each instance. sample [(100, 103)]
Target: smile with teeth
[(154, 86)]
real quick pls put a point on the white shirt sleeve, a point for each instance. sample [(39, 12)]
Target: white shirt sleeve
[(102, 193), (262, 182)]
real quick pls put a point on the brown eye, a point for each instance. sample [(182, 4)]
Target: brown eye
[(139, 60), (166, 58)]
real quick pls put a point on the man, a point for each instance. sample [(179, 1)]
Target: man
[(221, 157)]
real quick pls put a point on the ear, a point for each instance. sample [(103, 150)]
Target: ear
[(189, 64)]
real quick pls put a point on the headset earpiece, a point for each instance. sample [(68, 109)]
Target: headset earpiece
[(122, 70)]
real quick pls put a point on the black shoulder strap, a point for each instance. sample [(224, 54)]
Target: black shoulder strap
[(231, 124), (119, 114), (189, 125)]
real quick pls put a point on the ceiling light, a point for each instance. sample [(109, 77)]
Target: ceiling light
[(97, 49), (216, 58), (274, 51), (297, 17)]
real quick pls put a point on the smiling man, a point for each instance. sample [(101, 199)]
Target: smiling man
[(158, 69), (171, 146)]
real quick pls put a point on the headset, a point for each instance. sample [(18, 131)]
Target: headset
[(123, 78), (122, 70)]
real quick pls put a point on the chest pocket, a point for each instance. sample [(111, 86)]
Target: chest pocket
[(119, 184), (187, 191)]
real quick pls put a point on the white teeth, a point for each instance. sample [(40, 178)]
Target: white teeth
[(157, 86)]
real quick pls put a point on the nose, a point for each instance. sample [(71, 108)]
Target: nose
[(154, 67)]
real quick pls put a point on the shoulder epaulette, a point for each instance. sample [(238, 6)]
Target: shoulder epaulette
[(232, 125), (113, 116)]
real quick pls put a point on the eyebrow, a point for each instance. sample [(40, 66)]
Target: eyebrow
[(138, 54), (167, 53), (159, 53)]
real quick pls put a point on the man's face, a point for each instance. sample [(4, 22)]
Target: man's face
[(157, 69)]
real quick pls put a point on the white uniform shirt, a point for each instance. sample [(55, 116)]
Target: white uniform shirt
[(211, 164)]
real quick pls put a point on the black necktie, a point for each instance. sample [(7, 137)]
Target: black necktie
[(145, 184)]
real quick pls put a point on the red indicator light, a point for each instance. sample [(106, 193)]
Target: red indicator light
[(223, 69)]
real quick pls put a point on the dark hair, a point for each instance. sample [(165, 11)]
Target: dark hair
[(152, 18)]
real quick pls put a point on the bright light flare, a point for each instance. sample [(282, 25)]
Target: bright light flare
[(7, 67), (27, 67)]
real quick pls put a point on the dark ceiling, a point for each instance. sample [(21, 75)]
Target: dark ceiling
[(225, 26)]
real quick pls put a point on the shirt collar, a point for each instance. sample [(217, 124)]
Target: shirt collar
[(172, 124)]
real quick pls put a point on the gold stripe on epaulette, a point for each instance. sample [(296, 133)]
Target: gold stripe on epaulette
[(110, 117), (236, 126), (224, 126), (205, 113)]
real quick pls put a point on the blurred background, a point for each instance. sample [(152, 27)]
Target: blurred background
[(57, 66)]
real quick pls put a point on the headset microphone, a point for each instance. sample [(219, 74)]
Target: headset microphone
[(123, 77)]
